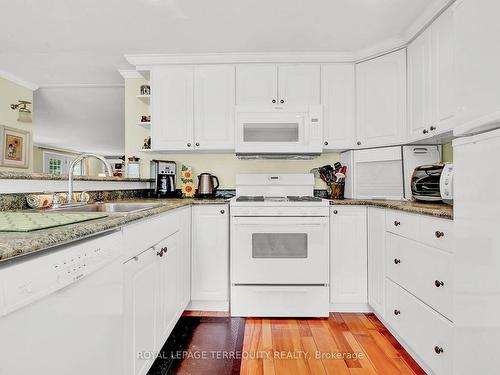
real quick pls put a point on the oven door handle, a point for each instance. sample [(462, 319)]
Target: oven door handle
[(286, 289), (280, 221)]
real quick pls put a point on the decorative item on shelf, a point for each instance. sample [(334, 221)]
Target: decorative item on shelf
[(146, 118), (145, 90), (187, 186), (24, 112), (334, 177), (147, 143), (133, 167), (15, 147)]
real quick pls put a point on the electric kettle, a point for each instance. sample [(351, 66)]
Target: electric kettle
[(206, 186)]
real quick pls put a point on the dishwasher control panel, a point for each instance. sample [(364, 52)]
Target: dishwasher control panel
[(25, 281)]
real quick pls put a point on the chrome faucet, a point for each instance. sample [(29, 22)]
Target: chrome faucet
[(77, 160)]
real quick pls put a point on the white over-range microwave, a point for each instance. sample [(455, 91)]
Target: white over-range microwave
[(279, 131)]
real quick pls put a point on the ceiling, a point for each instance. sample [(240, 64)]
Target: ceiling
[(62, 42)]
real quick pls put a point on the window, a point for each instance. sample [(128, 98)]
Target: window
[(58, 164)]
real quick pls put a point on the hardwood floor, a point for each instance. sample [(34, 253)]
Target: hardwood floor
[(343, 344)]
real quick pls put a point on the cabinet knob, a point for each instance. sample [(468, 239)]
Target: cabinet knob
[(335, 212), (433, 128), (197, 144), (439, 234), (397, 223), (438, 283), (159, 253), (358, 143), (189, 144), (397, 261), (438, 349), (397, 312), (274, 101), (282, 101), (222, 211), (326, 143), (425, 131), (164, 249)]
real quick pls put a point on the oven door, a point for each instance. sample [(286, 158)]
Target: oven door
[(279, 250)]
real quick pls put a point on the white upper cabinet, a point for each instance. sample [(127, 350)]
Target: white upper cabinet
[(443, 73), (256, 84), (477, 58), (172, 108), (298, 84), (338, 99), (284, 84), (419, 86), (431, 99), (381, 100), (214, 107)]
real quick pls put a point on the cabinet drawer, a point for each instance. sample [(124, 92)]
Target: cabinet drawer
[(279, 301), (422, 270), (401, 223), (148, 232), (427, 333), (437, 232)]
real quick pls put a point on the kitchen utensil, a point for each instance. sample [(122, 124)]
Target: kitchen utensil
[(206, 186)]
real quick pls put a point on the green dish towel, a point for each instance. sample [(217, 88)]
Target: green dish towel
[(30, 221)]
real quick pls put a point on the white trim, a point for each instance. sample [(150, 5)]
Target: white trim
[(146, 61), (129, 73), (388, 46), (80, 85), (361, 307), (429, 15), (8, 186), (18, 81), (208, 306)]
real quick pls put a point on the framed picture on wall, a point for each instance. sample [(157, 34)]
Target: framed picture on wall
[(15, 147)]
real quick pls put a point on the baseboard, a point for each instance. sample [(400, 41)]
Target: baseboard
[(357, 307), (208, 306)]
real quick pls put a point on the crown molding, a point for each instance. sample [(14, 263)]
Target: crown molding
[(430, 14), (80, 85), (18, 81), (129, 73), (146, 61)]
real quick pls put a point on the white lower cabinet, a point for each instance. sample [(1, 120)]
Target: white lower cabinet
[(156, 287), (348, 258), (426, 332), (376, 259), (141, 305), (210, 257)]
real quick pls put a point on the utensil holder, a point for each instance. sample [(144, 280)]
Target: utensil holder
[(337, 190)]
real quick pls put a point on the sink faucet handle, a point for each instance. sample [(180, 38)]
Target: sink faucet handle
[(56, 200), (83, 197)]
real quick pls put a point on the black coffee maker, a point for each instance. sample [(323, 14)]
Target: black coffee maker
[(164, 173)]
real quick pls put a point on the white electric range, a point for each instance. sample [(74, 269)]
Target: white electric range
[(279, 247)]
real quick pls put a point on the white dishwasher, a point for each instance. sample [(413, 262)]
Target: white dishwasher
[(61, 312)]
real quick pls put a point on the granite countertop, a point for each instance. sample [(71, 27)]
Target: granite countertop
[(16, 244), (433, 209), (13, 175)]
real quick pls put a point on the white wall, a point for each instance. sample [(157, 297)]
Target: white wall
[(80, 119)]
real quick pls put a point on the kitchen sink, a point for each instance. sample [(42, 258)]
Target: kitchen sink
[(107, 207)]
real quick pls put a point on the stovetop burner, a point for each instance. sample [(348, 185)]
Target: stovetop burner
[(294, 198), (260, 198)]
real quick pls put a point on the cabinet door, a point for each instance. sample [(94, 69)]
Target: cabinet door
[(419, 87), (168, 253), (210, 253), (172, 108), (256, 84), (141, 280), (299, 84), (338, 100), (214, 107), (477, 58), (185, 257), (443, 73), (348, 257), (381, 100), (376, 259)]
